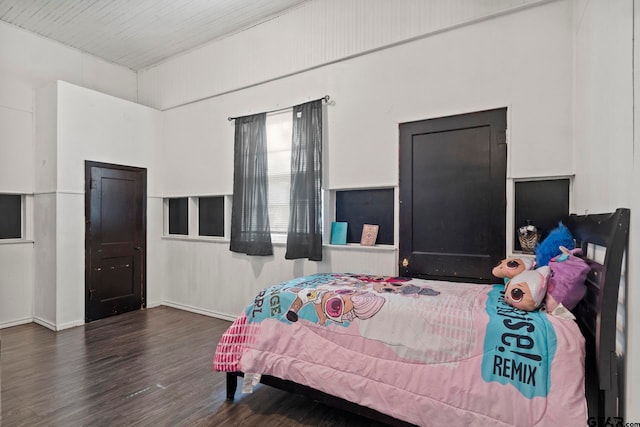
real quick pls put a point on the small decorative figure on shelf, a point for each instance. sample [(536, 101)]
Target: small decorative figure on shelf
[(528, 236)]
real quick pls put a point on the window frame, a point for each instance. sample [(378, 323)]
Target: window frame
[(194, 220), (512, 244), (25, 215)]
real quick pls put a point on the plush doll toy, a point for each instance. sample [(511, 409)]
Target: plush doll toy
[(510, 267), (527, 290), (550, 246)]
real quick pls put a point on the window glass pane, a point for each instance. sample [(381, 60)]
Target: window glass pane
[(279, 128), (179, 216), (358, 207), (542, 203), (10, 216), (211, 216)]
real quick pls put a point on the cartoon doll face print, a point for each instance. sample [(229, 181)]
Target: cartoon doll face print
[(510, 267), (519, 296), (337, 306), (527, 290)]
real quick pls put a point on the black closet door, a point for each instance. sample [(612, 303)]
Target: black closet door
[(453, 196)]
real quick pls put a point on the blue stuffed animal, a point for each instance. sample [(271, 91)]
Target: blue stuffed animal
[(550, 246)]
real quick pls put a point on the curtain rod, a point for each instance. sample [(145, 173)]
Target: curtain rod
[(324, 98)]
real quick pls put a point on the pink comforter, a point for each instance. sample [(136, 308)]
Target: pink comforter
[(428, 352)]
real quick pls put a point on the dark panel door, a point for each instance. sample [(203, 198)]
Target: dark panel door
[(115, 239), (453, 196)]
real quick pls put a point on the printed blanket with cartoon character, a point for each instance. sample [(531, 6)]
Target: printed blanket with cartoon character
[(426, 352)]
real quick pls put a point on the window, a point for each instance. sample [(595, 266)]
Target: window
[(10, 216), (262, 205), (211, 216), (542, 203), (179, 216), (370, 206), (195, 216), (279, 128)]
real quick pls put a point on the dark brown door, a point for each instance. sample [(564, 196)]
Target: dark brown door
[(115, 209), (453, 196)]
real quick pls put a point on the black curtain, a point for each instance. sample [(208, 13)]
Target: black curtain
[(304, 235), (250, 232)]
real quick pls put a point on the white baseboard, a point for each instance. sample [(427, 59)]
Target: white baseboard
[(15, 323), (45, 323), (70, 325), (209, 313), (49, 325)]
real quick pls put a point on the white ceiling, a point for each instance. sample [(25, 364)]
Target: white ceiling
[(138, 33)]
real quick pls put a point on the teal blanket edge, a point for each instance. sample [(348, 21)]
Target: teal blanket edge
[(519, 347)]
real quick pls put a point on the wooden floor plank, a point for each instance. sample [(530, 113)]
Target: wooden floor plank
[(145, 368)]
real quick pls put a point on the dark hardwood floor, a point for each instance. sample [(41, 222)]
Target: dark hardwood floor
[(145, 368)]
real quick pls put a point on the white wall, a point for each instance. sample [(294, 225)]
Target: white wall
[(509, 60), (312, 35), (98, 127), (16, 176), (45, 161), (30, 63), (74, 124), (16, 283), (16, 134), (207, 278), (607, 172), (603, 112), (39, 61)]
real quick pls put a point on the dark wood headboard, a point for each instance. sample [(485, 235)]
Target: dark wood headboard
[(597, 312)]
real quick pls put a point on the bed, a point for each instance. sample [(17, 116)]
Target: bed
[(407, 351)]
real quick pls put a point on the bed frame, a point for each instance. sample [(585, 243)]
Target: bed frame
[(596, 315), (597, 312)]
